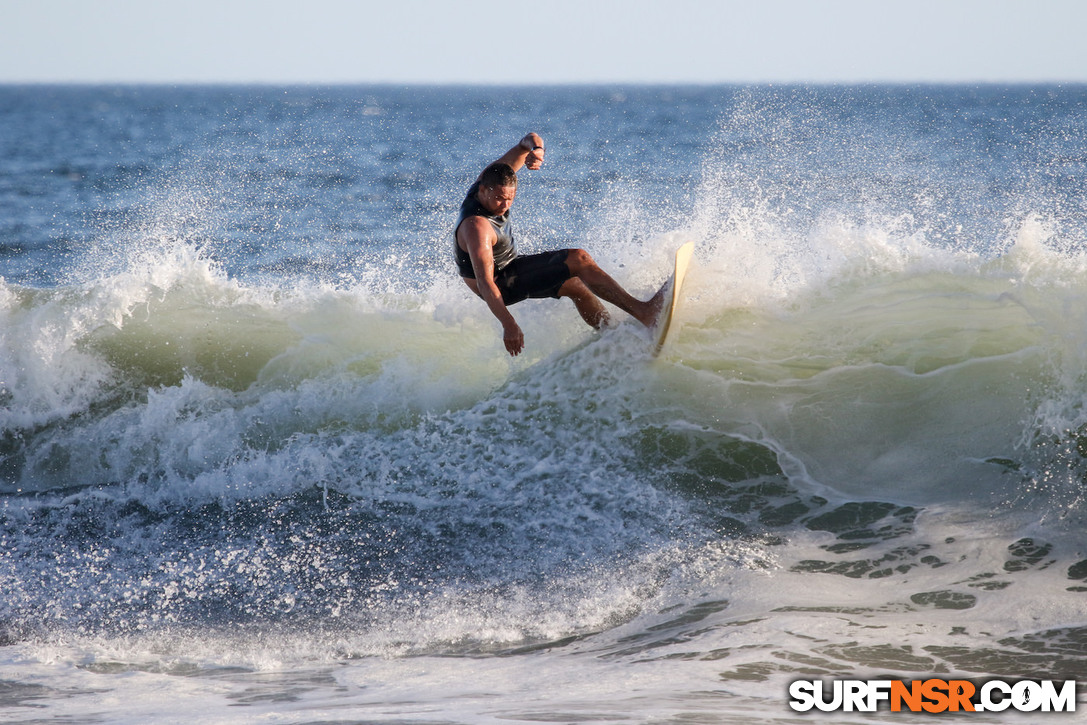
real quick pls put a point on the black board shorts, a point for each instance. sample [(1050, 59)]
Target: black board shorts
[(533, 276)]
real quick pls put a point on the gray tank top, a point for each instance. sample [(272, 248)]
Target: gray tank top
[(504, 251)]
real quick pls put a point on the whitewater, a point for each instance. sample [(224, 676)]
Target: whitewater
[(263, 457)]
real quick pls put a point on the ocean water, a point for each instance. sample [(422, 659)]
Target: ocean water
[(264, 459)]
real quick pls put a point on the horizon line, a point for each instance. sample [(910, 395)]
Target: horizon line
[(543, 84)]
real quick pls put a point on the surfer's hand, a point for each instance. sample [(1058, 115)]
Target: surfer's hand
[(534, 144), (535, 158), (513, 339)]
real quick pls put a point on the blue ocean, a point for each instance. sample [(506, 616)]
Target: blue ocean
[(264, 459)]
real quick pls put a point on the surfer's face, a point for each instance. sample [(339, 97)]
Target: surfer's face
[(497, 200)]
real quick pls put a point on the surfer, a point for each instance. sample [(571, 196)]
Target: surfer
[(489, 263)]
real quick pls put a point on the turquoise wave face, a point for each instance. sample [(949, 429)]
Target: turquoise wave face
[(904, 376)]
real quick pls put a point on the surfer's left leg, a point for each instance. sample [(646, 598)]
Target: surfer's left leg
[(583, 267)]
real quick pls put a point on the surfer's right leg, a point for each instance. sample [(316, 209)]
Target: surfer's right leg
[(583, 267), (587, 304)]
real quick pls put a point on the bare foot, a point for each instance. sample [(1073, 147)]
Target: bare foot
[(653, 307)]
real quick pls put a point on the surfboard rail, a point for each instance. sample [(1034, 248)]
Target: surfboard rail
[(673, 288)]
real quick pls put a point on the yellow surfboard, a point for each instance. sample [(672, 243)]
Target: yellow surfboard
[(671, 296)]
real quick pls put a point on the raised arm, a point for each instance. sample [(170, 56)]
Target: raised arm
[(529, 152)]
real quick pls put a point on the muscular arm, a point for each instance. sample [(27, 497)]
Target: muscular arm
[(477, 237)]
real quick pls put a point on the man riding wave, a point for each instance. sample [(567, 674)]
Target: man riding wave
[(489, 264)]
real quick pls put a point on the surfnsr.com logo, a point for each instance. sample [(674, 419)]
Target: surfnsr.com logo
[(933, 695)]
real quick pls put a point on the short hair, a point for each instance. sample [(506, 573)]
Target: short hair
[(498, 174)]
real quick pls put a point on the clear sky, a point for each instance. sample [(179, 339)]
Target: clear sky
[(557, 41)]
